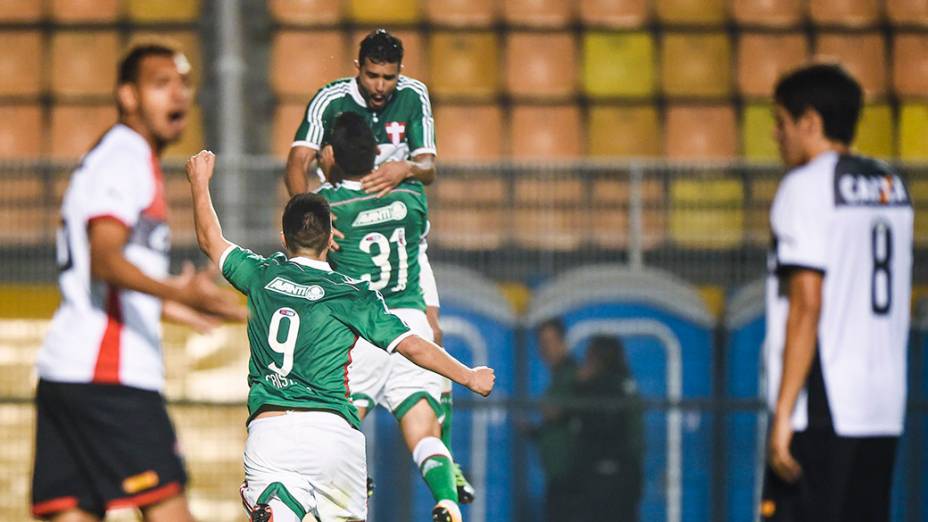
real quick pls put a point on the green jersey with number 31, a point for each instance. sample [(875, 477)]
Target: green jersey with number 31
[(382, 238), (303, 320)]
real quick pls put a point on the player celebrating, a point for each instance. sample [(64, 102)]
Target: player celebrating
[(398, 111), (837, 310), (103, 437), (380, 245), (305, 452)]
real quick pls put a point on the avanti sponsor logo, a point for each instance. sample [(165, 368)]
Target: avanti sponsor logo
[(287, 287), (395, 211)]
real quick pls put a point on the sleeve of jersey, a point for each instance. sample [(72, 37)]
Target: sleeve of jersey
[(311, 129), (122, 187), (798, 222), (422, 126), (373, 321), (239, 266)]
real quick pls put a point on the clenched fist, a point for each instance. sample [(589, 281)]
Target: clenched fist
[(200, 167), (482, 380)]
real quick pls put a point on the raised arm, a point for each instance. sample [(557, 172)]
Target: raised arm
[(209, 233), (429, 356), (300, 164)]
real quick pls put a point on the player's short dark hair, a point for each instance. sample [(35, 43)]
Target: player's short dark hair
[(131, 63), (353, 144), (829, 90), (380, 46), (554, 323), (307, 223)]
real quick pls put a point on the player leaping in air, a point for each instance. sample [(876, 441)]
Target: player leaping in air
[(305, 454), (399, 113)]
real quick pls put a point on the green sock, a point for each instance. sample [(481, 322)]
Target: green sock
[(438, 472), (447, 406)]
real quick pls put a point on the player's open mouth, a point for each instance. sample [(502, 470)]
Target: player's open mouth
[(177, 116)]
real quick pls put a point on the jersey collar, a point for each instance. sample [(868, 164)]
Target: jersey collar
[(311, 263), (351, 184), (355, 92)]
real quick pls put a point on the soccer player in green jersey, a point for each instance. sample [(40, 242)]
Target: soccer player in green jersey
[(398, 110), (305, 453)]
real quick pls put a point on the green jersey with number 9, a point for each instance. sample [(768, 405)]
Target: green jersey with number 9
[(303, 321), (382, 238)]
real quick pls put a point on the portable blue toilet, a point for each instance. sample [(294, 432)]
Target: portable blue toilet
[(745, 326), (668, 336), (479, 330)]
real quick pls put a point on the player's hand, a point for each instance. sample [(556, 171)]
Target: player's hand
[(482, 380), (336, 234), (780, 458), (201, 293), (200, 166), (385, 178)]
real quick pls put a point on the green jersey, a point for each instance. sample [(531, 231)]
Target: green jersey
[(382, 238), (403, 128), (303, 321)]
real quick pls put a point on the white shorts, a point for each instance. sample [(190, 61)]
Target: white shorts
[(315, 456), (376, 377)]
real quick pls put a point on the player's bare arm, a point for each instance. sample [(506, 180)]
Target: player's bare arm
[(300, 163), (108, 238), (432, 314), (200, 168), (429, 356), (805, 303), (390, 174)]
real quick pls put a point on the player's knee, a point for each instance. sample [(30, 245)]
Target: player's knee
[(420, 421)]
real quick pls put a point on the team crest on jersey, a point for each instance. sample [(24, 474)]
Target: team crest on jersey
[(395, 211), (289, 288), (396, 131)]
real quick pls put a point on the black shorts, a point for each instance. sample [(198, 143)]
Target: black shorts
[(101, 447), (844, 479)]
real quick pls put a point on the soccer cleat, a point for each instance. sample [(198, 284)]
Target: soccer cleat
[(446, 511), (262, 513), (370, 487), (465, 490)]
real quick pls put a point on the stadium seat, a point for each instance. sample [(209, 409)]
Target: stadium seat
[(618, 64), (21, 63), (549, 229), (306, 12), (546, 192), (83, 63), (706, 212), (609, 208), (864, 55), (907, 12), (875, 136), (471, 189), (463, 64), (379, 12), (186, 41), (81, 11), (414, 63), (757, 209), (624, 131), (163, 11), (768, 13), (913, 132), (696, 12), (764, 57), (469, 132), (700, 132), (21, 133), (75, 128), (538, 13), (461, 13), (918, 190), (192, 140), (18, 11), (696, 65), (910, 65), (757, 128), (287, 119), (302, 62), (613, 13), (467, 229), (546, 132), (541, 65), (847, 13)]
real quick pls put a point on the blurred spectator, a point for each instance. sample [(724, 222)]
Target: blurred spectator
[(554, 437), (610, 439)]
